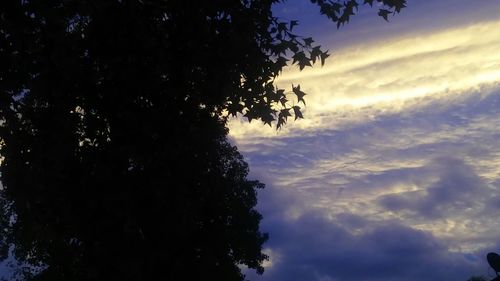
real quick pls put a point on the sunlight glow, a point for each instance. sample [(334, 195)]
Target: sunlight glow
[(390, 75)]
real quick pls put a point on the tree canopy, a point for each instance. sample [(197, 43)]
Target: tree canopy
[(115, 163)]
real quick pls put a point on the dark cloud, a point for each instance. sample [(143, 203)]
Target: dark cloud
[(346, 202), (350, 247), (435, 156), (457, 191)]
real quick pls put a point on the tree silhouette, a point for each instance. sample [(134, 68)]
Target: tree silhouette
[(477, 278), (115, 163)]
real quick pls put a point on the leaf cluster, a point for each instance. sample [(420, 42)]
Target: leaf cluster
[(341, 11), (280, 46)]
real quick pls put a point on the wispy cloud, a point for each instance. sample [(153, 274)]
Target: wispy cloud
[(346, 246), (429, 169), (400, 143), (363, 81)]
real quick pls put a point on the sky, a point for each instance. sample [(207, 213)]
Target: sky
[(394, 173)]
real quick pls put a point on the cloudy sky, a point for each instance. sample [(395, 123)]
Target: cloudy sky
[(394, 174)]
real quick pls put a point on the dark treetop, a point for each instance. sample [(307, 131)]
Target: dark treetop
[(115, 163)]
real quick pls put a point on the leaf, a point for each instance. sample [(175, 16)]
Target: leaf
[(304, 63), (293, 23), (285, 112), (281, 26), (280, 48), (250, 115), (283, 101), (323, 57), (398, 5), (299, 93), (297, 112), (308, 41), (353, 4), (302, 60), (280, 94), (315, 52), (281, 62), (384, 13), (282, 117), (234, 108), (292, 46), (268, 119), (298, 57), (280, 123), (336, 7)]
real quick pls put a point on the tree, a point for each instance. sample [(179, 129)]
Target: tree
[(477, 278), (115, 163)]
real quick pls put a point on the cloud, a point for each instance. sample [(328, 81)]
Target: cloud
[(389, 76), (395, 172), (429, 172), (458, 191), (419, 17), (315, 246)]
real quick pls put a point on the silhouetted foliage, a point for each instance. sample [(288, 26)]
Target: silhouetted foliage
[(115, 163), (477, 278)]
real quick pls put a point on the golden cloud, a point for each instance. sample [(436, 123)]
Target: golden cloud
[(359, 82)]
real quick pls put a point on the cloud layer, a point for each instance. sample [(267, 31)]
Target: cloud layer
[(427, 181), (313, 247), (392, 75), (395, 172)]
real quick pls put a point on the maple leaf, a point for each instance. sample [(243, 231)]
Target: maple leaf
[(308, 41), (297, 112), (282, 117), (384, 13), (285, 113), (323, 57), (283, 100), (267, 119), (299, 93), (301, 59), (250, 115), (315, 52)]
